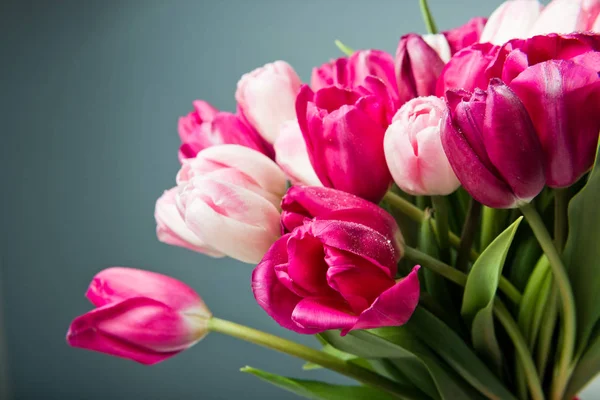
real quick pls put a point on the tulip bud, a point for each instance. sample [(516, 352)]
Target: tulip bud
[(465, 35), (492, 146), (266, 97), (413, 149), (343, 130), (418, 67), (141, 315), (229, 197), (567, 16), (292, 156), (171, 229), (512, 20), (206, 126)]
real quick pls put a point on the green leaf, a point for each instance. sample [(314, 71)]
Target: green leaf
[(534, 298), (452, 349), (329, 349), (411, 357), (319, 390), (480, 291), (587, 368), (582, 253)]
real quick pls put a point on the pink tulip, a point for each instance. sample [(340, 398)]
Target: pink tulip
[(512, 20), (465, 35), (343, 130), (171, 229), (350, 72), (418, 67), (206, 126), (567, 16), (141, 315), (266, 97), (291, 155), (320, 277), (492, 146), (413, 149), (229, 198), (439, 43)]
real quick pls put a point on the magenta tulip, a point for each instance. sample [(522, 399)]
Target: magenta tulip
[(343, 130), (465, 35), (418, 67), (141, 315), (492, 146), (206, 126), (320, 276)]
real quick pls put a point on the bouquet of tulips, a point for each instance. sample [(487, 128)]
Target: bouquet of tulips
[(430, 217)]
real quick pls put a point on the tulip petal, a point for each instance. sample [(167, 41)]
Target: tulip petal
[(292, 155), (394, 306), (512, 20), (465, 35), (271, 294), (306, 266), (117, 284), (233, 220), (562, 99), (139, 328), (321, 314)]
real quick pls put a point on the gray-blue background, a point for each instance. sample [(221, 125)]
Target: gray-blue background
[(90, 96)]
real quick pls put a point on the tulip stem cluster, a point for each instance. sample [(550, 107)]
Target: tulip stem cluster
[(561, 372), (417, 215), (454, 274), (441, 213), (309, 354)]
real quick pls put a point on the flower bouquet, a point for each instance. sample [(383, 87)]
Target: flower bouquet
[(430, 217)]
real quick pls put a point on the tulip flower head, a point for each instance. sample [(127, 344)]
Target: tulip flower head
[(140, 315)]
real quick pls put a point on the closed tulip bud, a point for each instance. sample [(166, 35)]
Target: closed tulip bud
[(418, 67), (567, 16), (343, 130), (171, 228), (141, 315), (512, 20), (229, 198), (414, 152), (465, 35), (492, 146), (291, 155), (266, 97), (206, 126)]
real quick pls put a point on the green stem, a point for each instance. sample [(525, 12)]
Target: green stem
[(417, 215), (567, 302), (455, 275), (440, 206), (343, 48), (547, 331), (533, 381), (490, 225), (468, 235), (314, 356), (427, 17), (561, 223)]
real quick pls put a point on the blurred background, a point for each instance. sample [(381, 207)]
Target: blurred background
[(90, 96)]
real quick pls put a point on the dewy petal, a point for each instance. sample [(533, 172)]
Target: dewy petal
[(357, 239), (117, 284), (507, 125), (272, 295), (562, 98), (306, 266), (322, 314), (394, 306), (139, 328)]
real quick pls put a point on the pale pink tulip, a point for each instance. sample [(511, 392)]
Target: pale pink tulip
[(414, 152), (292, 156), (141, 315), (266, 97), (567, 16), (229, 198), (440, 44), (171, 229), (237, 165), (512, 20)]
